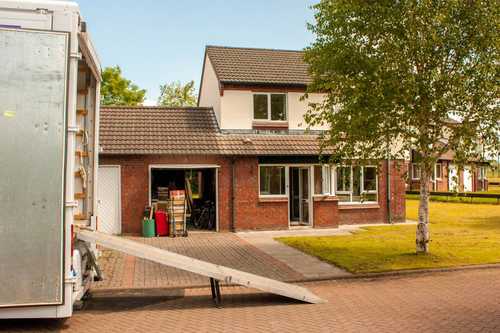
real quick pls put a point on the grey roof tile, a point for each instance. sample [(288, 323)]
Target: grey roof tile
[(161, 130), (259, 66)]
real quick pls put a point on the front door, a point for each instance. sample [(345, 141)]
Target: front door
[(299, 196)]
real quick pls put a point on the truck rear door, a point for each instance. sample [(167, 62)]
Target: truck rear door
[(33, 93)]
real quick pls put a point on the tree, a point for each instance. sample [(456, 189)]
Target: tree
[(401, 75), (117, 90), (176, 94)]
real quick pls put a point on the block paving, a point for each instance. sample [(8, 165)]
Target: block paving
[(128, 272), (459, 301)]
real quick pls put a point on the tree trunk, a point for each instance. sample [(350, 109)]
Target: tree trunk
[(423, 235)]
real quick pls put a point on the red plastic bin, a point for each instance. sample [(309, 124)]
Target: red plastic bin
[(161, 219)]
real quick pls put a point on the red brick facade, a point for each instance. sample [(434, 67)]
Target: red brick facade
[(442, 184), (250, 211)]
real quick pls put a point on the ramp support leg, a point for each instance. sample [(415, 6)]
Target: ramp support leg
[(215, 287)]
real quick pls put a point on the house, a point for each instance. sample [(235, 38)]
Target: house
[(244, 151), (447, 176)]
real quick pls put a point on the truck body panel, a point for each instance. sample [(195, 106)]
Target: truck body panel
[(49, 113), (32, 174)]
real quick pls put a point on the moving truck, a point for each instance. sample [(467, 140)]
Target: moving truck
[(49, 113)]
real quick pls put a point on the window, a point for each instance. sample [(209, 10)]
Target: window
[(260, 106), (370, 183), (278, 107), (344, 183), (415, 171), (356, 183), (269, 107), (322, 179), (272, 180), (482, 173), (438, 171)]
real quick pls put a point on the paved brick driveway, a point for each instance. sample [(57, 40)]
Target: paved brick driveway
[(124, 271), (461, 301)]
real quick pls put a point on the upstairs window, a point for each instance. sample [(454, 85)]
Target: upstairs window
[(271, 107)]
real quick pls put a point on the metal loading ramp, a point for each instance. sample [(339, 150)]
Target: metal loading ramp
[(215, 272)]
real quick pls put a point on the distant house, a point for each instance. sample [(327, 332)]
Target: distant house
[(244, 150), (447, 176)]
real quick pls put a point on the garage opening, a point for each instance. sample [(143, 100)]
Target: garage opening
[(200, 185)]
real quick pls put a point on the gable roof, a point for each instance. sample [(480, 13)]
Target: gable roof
[(236, 65), (189, 131)]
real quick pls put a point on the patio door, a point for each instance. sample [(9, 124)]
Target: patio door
[(299, 196)]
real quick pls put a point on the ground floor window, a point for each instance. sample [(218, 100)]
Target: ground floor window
[(357, 184), (323, 180), (272, 180), (482, 173), (415, 171), (438, 171)]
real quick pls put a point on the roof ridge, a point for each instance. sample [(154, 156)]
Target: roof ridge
[(252, 48)]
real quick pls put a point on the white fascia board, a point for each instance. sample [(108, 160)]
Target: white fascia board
[(51, 5)]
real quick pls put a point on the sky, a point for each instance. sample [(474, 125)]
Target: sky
[(159, 41)]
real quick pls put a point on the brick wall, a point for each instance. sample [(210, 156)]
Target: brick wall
[(251, 212), (135, 184), (442, 185), (326, 212)]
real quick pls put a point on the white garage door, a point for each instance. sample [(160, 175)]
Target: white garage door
[(109, 193)]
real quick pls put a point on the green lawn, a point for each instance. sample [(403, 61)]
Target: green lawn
[(467, 200), (494, 189), (461, 234)]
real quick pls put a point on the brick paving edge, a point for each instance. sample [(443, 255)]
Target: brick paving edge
[(399, 273), (367, 276)]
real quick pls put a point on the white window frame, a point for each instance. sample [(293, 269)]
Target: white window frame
[(482, 173), (269, 106), (362, 185), (435, 171), (285, 195), (413, 166), (350, 182), (327, 172)]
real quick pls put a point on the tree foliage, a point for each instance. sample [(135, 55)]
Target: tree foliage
[(117, 90), (417, 74), (177, 94)]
